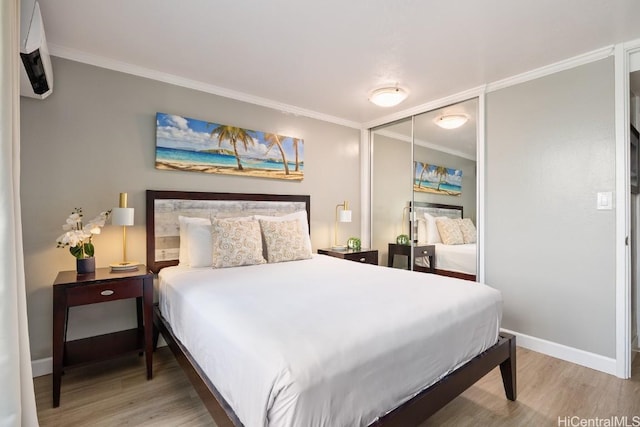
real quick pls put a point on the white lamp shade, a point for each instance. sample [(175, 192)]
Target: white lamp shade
[(122, 216), (344, 216)]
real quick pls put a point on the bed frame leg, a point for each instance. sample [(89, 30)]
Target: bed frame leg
[(156, 331), (508, 369)]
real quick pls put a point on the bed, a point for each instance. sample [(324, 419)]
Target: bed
[(454, 260), (261, 349)]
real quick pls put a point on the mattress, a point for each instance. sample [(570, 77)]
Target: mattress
[(324, 341), (458, 258)]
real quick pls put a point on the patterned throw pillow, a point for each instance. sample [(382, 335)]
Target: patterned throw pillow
[(236, 243), (449, 231), (303, 224), (284, 241), (468, 230)]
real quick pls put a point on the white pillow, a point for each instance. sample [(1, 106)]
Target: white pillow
[(301, 216), (199, 245), (236, 243), (183, 256), (284, 241), (449, 231), (422, 230), (433, 235)]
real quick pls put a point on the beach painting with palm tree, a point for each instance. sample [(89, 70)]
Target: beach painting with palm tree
[(429, 178), (188, 144)]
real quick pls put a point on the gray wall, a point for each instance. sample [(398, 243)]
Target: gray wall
[(550, 148), (391, 191), (94, 137)]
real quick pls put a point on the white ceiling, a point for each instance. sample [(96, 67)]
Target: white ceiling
[(325, 56)]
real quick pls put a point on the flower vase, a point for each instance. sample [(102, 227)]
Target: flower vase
[(353, 243), (85, 265), (402, 239)]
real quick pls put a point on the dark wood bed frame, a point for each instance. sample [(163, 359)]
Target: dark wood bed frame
[(412, 412), (447, 273)]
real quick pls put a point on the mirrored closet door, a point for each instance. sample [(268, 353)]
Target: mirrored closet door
[(428, 162), (391, 150)]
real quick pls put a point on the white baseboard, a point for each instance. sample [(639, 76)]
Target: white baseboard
[(570, 354), (41, 367)]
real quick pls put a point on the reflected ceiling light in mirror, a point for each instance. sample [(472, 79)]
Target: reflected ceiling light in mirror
[(388, 96), (451, 121)]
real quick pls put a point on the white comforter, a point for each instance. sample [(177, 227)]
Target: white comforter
[(325, 342), (458, 258)]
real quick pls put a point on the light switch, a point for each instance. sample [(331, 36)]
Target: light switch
[(605, 200)]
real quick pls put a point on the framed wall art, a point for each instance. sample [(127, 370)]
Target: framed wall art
[(429, 178), (187, 144)]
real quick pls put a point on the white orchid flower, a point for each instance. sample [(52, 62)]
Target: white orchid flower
[(69, 238), (78, 236), (92, 228)]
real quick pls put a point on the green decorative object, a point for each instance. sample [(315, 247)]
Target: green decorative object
[(354, 243), (402, 239)]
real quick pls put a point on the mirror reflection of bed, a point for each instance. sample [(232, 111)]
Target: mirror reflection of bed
[(455, 256), (400, 151)]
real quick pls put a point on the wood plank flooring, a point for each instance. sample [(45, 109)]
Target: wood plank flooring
[(117, 393)]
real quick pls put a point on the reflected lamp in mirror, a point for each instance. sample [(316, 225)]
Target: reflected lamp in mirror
[(451, 121), (343, 214), (403, 239), (122, 215)]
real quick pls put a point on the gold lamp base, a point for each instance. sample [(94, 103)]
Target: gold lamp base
[(124, 266)]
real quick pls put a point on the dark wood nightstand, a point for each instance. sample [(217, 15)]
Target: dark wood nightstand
[(368, 256), (418, 251), (71, 289)]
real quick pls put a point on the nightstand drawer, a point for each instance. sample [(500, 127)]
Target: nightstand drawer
[(364, 255), (101, 292), (370, 257)]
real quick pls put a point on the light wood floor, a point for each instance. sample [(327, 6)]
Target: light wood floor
[(117, 394)]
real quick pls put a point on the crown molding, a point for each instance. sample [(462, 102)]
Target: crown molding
[(108, 63), (426, 144), (566, 64), (124, 67)]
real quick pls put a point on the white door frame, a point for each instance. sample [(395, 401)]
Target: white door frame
[(366, 158), (622, 54)]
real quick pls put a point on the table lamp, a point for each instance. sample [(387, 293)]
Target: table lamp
[(342, 215), (123, 216), (403, 238)]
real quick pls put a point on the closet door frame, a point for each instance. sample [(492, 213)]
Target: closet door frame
[(366, 160)]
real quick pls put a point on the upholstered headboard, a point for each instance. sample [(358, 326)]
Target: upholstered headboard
[(164, 208), (437, 209)]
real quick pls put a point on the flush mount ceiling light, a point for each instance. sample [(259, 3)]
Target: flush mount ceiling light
[(388, 96), (451, 121)]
